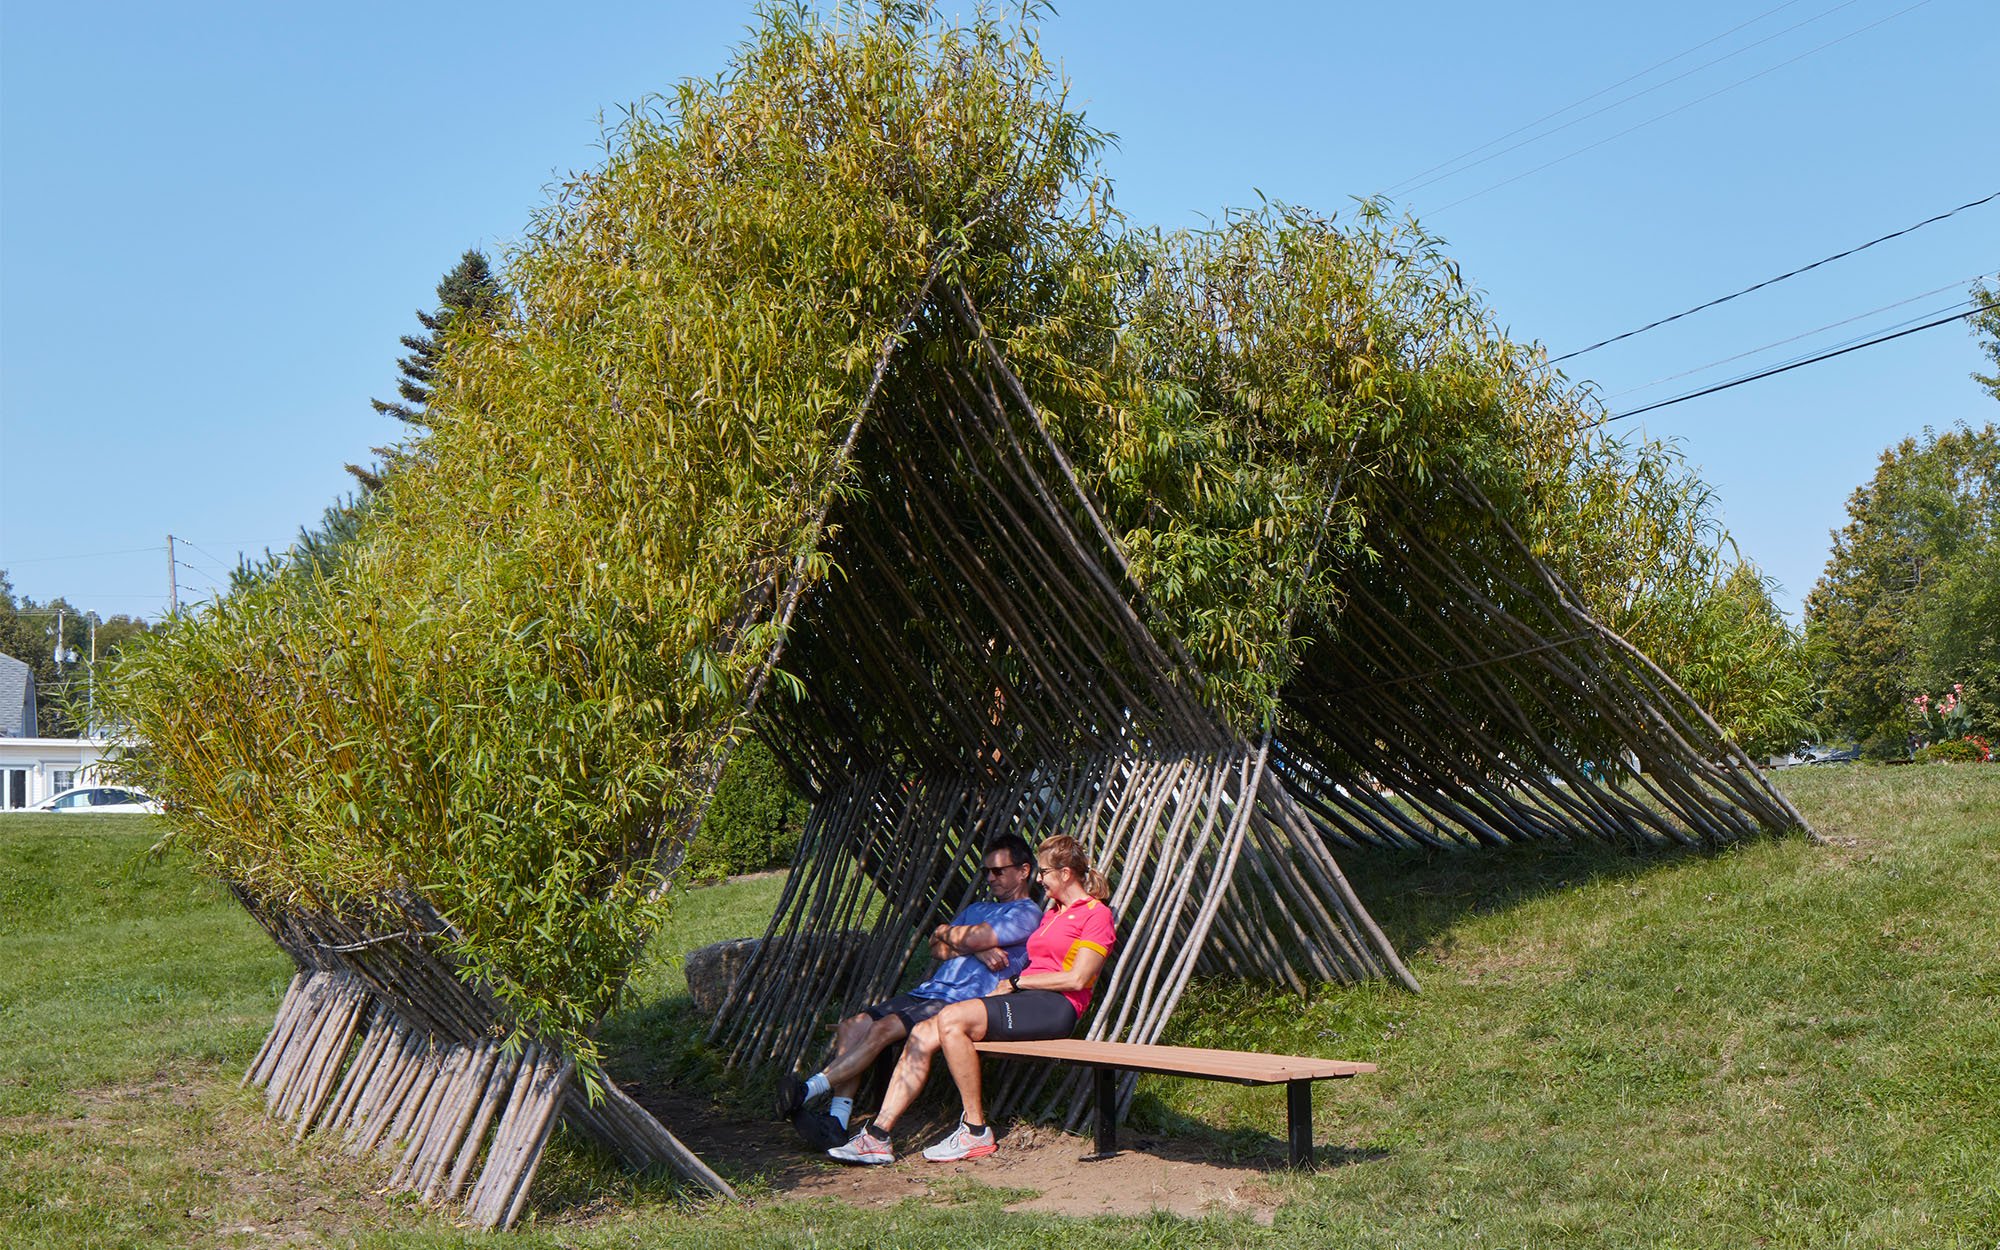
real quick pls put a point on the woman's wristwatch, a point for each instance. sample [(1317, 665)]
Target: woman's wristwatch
[(1014, 982)]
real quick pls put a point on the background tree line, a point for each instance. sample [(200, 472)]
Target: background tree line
[(1901, 638), (28, 633), (1906, 610)]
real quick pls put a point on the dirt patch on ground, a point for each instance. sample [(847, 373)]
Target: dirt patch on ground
[(224, 1174), (1045, 1166)]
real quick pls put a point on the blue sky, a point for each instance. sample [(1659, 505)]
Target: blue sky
[(216, 220)]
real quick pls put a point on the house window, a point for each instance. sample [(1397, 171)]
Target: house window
[(64, 779), (14, 788)]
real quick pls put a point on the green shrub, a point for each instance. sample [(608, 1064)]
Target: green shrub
[(506, 692), (1950, 751), (754, 821)]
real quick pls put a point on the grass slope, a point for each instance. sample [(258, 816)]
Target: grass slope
[(1781, 1045)]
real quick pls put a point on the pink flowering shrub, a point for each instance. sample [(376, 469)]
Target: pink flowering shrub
[(1943, 719)]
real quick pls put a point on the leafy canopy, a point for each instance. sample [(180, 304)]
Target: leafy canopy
[(1905, 606), (506, 682)]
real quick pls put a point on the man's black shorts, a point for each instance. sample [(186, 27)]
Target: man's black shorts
[(1028, 1016), (908, 1008)]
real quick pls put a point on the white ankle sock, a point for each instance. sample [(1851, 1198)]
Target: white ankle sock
[(840, 1109), (817, 1086)]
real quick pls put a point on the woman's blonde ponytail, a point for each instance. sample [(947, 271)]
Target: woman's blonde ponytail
[(1063, 851)]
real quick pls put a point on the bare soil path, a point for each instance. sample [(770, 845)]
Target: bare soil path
[(1043, 1164)]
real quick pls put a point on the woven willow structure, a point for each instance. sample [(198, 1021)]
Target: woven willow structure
[(381, 1042), (985, 662), (839, 404), (986, 665)]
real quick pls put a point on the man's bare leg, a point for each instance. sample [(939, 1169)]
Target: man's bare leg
[(857, 1043)]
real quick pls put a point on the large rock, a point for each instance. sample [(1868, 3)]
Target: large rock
[(712, 970)]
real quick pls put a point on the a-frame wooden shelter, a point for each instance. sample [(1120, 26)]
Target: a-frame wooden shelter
[(986, 664)]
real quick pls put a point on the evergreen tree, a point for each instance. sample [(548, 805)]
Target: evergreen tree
[(467, 289)]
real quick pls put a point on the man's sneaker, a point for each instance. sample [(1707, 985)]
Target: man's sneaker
[(865, 1147), (791, 1096), (820, 1130), (963, 1143)]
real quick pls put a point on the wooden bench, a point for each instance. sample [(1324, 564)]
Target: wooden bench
[(1296, 1074)]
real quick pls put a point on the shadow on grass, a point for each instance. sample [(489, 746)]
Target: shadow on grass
[(663, 1042), (1418, 895), (1151, 1125)]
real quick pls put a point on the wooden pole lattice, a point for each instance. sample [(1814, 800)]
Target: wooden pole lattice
[(382, 1043), (739, 451), (987, 665)]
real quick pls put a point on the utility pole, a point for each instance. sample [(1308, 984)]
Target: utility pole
[(90, 686), (173, 589)]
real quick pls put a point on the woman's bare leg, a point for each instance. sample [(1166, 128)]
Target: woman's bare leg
[(957, 1031)]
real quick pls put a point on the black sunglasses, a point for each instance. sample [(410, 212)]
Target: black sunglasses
[(997, 870)]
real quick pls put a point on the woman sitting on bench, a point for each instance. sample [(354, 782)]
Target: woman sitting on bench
[(1046, 1000)]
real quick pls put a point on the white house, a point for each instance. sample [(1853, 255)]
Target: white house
[(31, 768)]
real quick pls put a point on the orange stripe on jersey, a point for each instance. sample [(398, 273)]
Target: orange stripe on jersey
[(1069, 959)]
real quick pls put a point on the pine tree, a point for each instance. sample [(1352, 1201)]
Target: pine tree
[(467, 289)]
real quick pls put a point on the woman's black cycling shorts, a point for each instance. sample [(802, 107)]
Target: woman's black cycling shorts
[(1028, 1016)]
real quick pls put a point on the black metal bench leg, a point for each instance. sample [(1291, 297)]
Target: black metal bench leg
[(1299, 1121), (1107, 1113)]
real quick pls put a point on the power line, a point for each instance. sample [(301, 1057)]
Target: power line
[(1405, 188), (86, 555), (1681, 108), (1796, 364), (1824, 260), (207, 576), (208, 555), (132, 551), (1831, 325)]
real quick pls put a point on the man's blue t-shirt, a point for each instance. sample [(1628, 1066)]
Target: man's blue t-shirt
[(963, 976)]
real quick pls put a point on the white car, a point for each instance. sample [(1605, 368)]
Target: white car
[(99, 800)]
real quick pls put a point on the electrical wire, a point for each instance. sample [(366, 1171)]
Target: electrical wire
[(1956, 308), (1681, 108), (1404, 187), (1796, 364), (1824, 260), (87, 555), (209, 555), (1831, 325)]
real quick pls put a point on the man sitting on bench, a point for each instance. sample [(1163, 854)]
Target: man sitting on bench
[(980, 946), (1065, 954)]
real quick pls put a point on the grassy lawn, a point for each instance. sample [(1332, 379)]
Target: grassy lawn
[(1779, 1045)]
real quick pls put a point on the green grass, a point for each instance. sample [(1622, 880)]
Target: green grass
[(1778, 1045)]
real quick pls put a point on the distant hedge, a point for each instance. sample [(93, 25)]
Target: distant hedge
[(1951, 751), (754, 822)]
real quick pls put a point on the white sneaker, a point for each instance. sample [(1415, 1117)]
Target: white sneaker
[(963, 1143), (865, 1147)]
